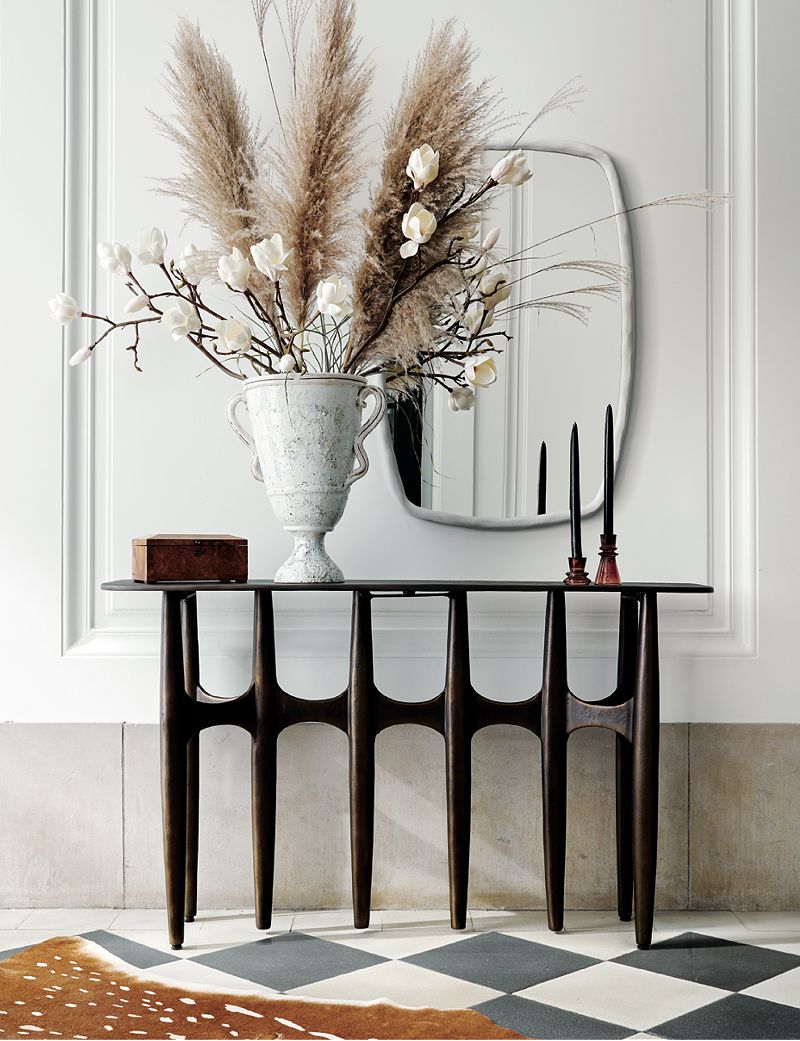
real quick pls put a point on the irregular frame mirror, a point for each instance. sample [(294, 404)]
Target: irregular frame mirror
[(480, 468)]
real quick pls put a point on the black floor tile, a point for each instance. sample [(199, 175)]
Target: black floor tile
[(501, 962), (734, 1018), (128, 950), (709, 960), (13, 951), (533, 1019), (289, 960)]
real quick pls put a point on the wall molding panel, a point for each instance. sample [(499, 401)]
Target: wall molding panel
[(95, 624)]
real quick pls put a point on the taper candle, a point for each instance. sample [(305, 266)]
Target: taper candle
[(541, 505), (575, 492), (608, 475)]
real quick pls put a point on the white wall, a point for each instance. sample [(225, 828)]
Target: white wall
[(94, 457)]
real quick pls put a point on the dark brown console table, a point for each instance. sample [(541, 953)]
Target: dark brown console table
[(631, 711)]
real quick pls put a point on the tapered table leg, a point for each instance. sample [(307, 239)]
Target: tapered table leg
[(645, 770), (174, 733), (554, 756), (264, 757), (361, 738), (191, 669), (626, 674), (458, 751)]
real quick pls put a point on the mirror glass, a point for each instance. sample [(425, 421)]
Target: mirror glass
[(481, 467)]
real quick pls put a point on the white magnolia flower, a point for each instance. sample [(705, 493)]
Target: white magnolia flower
[(235, 270), (423, 166), (461, 399), (480, 371), (114, 257), (82, 354), (494, 288), (181, 318), (512, 169), (232, 336), (477, 318), (152, 243), (190, 263), (270, 257), (137, 303), (477, 268), (287, 363), (64, 308), (491, 238), (333, 297), (418, 226)]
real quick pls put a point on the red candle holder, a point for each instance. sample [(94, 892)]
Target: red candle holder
[(576, 576), (607, 570)]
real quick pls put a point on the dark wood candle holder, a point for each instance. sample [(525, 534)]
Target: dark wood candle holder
[(576, 576), (607, 570)]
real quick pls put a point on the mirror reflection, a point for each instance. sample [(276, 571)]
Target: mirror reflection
[(560, 366)]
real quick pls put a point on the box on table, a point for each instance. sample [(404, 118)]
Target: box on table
[(190, 558)]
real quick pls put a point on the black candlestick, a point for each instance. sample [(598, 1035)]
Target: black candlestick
[(608, 475), (541, 506), (575, 493)]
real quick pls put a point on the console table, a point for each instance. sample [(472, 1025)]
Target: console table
[(631, 711)]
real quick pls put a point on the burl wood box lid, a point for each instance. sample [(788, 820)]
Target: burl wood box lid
[(190, 558)]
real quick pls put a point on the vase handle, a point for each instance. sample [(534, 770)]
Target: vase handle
[(362, 464), (241, 433)]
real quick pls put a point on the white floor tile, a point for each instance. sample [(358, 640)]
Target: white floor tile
[(236, 927), (770, 921), (400, 982), (620, 994), (509, 921), (605, 921), (431, 921), (70, 919), (150, 918), (158, 939), (594, 944), (401, 943), (785, 989), (10, 939), (10, 919), (325, 923), (205, 976), (677, 922)]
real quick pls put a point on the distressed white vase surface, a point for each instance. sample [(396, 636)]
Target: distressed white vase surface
[(307, 446)]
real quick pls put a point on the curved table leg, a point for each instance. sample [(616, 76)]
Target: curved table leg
[(458, 751), (626, 675), (264, 757), (173, 765), (361, 737), (645, 770), (191, 669), (554, 756)]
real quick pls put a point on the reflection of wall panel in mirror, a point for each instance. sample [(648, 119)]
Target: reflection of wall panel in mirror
[(480, 468)]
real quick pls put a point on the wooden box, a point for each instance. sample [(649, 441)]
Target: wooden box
[(190, 558)]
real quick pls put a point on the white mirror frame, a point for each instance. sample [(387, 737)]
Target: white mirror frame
[(627, 309)]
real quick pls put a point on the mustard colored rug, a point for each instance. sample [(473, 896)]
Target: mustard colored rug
[(69, 987)]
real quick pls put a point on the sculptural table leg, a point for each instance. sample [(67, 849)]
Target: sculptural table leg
[(191, 668), (264, 757), (554, 756), (645, 770), (174, 737), (361, 739), (458, 749), (626, 673)]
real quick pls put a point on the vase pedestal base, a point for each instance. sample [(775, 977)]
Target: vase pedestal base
[(309, 561)]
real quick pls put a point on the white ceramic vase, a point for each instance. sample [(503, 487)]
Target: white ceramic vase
[(307, 436)]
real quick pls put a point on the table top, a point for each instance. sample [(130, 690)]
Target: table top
[(402, 586)]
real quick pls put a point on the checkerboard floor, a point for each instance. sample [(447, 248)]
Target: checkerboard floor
[(708, 974)]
